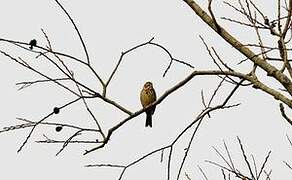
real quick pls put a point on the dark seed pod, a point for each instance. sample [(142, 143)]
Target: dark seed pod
[(32, 43), (59, 128), (56, 110), (267, 22)]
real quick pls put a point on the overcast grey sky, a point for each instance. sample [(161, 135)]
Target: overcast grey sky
[(108, 28)]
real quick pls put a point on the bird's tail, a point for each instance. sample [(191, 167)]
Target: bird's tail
[(148, 119)]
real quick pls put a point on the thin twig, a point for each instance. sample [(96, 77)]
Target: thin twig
[(26, 84), (68, 141), (77, 30), (203, 173), (282, 109), (264, 163), (245, 158), (40, 121)]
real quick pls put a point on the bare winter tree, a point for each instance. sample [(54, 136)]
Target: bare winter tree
[(272, 59)]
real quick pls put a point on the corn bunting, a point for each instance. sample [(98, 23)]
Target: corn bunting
[(148, 96)]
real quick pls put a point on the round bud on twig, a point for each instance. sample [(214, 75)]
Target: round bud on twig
[(32, 43), (56, 110), (59, 128), (267, 21)]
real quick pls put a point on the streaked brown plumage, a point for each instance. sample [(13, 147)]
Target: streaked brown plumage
[(148, 96)]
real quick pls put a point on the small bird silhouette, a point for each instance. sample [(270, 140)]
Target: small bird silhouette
[(148, 96), (32, 43)]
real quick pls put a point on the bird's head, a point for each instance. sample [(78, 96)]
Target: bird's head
[(148, 84)]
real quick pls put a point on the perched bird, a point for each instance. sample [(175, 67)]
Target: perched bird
[(148, 96), (32, 43)]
